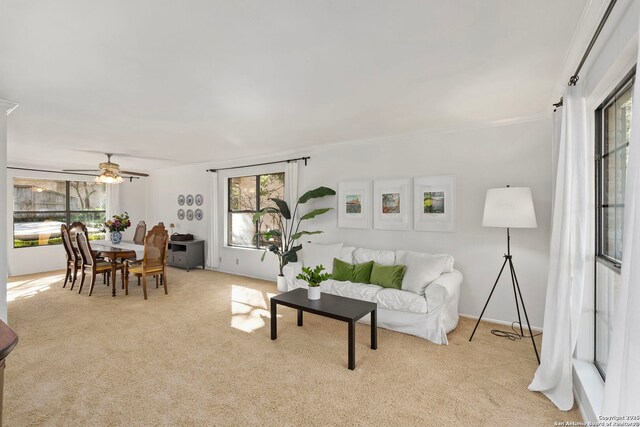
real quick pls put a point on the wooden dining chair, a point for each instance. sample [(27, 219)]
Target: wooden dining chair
[(79, 227), (74, 261), (141, 231), (154, 261), (91, 264)]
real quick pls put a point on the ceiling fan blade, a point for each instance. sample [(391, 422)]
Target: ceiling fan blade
[(80, 170), (133, 173)]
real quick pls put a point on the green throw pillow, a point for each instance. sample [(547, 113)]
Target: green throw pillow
[(342, 271), (387, 276), (362, 272), (358, 273)]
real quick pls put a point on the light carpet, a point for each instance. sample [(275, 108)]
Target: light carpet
[(202, 355)]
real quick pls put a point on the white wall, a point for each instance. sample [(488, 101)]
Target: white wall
[(517, 154), (5, 108), (165, 185), (3, 215), (133, 200)]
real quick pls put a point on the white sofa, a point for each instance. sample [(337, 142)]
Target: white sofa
[(430, 316)]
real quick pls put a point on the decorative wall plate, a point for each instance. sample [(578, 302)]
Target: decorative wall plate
[(189, 214), (198, 213), (189, 200), (180, 213), (199, 199), (180, 200)]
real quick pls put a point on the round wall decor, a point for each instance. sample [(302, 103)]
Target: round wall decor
[(180, 213), (180, 200), (189, 214), (199, 199), (189, 200), (198, 214)]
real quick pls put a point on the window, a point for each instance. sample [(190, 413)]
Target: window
[(613, 128), (40, 206), (248, 194)]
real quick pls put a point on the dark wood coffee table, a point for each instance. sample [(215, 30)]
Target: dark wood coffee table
[(335, 307)]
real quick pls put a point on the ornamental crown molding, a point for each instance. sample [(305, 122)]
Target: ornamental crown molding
[(8, 106)]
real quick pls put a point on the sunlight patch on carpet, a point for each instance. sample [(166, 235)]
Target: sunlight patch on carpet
[(249, 307), (20, 289)]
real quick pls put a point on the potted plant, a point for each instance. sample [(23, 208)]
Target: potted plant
[(313, 278), (117, 225), (281, 240)]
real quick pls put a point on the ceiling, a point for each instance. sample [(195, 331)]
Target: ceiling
[(170, 82)]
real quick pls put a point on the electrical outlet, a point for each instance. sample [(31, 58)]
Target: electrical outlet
[(237, 261)]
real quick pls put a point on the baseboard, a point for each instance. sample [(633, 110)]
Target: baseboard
[(235, 273), (499, 322)]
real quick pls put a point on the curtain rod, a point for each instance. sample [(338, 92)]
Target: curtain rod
[(262, 164), (573, 80), (130, 178)]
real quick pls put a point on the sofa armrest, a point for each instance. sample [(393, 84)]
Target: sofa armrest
[(443, 289), (290, 271)]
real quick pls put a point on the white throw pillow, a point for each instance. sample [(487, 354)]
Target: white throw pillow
[(381, 257), (316, 254), (448, 263), (449, 260), (422, 269), (346, 254)]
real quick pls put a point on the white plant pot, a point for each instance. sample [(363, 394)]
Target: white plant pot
[(314, 292), (282, 284)]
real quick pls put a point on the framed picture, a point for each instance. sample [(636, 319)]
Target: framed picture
[(354, 204), (392, 204), (434, 203)]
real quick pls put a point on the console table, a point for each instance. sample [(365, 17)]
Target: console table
[(187, 254)]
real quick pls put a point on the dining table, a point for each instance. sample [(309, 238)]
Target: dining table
[(117, 251)]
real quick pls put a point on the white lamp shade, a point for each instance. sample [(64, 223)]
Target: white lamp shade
[(509, 207)]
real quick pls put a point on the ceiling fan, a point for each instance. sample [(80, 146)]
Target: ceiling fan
[(110, 173)]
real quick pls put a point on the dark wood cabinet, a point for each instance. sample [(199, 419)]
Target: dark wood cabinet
[(187, 254)]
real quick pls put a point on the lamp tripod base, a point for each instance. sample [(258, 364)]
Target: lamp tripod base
[(518, 300)]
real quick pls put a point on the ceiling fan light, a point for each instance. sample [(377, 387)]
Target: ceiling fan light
[(109, 177)]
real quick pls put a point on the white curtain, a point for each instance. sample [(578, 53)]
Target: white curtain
[(113, 200), (622, 386), (213, 243), (569, 255), (291, 183)]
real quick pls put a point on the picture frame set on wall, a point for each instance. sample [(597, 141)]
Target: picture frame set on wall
[(393, 204), (434, 207), (354, 200)]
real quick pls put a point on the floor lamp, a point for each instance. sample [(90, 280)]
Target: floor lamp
[(510, 207)]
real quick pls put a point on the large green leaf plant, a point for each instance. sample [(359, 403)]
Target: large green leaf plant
[(282, 240)]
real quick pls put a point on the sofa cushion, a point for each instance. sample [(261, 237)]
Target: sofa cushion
[(316, 254), (362, 272), (422, 269), (358, 273), (388, 276), (397, 300), (449, 263), (342, 271), (346, 254), (354, 290), (382, 257)]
